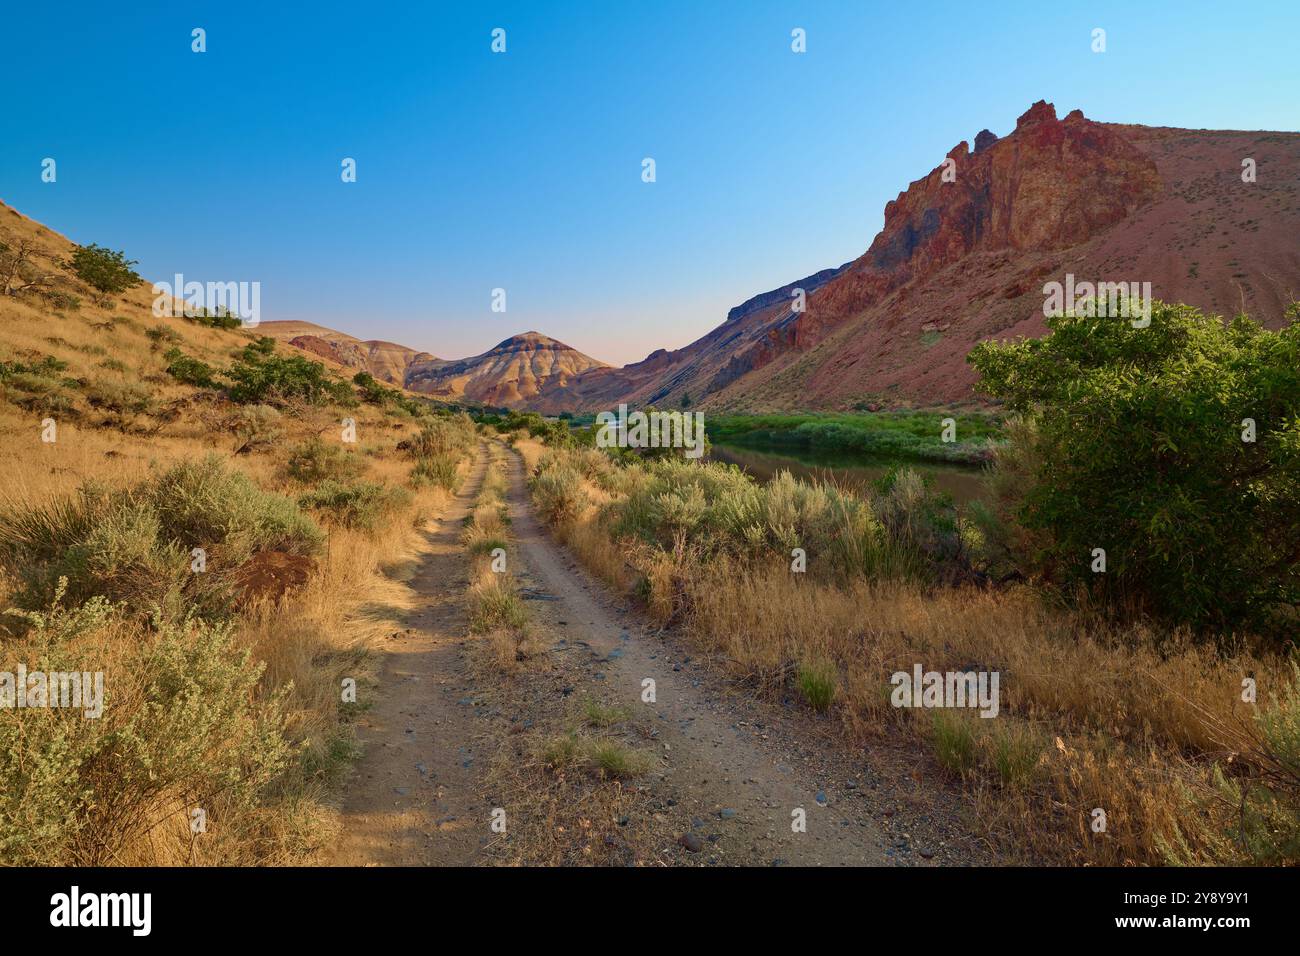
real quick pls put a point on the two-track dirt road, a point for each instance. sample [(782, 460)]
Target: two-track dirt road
[(733, 774), (716, 768)]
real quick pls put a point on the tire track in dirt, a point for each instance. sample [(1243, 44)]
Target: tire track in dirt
[(737, 790), (414, 798)]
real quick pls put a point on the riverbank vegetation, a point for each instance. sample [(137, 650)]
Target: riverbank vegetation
[(924, 436)]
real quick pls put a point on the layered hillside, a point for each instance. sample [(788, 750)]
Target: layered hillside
[(386, 361), (513, 373), (963, 257), (678, 376)]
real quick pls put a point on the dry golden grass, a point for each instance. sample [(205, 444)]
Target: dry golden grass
[(1093, 715), (309, 641), (1116, 717), (566, 815), (530, 450), (510, 639)]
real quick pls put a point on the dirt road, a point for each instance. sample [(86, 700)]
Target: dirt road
[(725, 779), (414, 799), (734, 779)]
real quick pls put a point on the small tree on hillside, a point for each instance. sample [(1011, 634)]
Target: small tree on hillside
[(106, 270)]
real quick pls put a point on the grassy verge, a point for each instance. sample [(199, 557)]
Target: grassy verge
[(496, 612), (1144, 724)]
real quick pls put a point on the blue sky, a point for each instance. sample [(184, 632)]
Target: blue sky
[(523, 170)]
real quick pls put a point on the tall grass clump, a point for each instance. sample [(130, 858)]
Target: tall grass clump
[(136, 545), (366, 505), (1248, 812), (438, 449), (496, 611), (316, 460)]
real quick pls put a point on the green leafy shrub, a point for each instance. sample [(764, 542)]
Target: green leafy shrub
[(190, 371), (438, 470), (220, 319), (1139, 451), (108, 271), (182, 725), (261, 377), (375, 393), (553, 433)]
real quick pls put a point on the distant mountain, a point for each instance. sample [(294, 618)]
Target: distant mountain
[(669, 378), (386, 361), (513, 373), (965, 260), (963, 256)]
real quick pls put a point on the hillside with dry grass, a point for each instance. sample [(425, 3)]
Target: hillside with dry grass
[(216, 554)]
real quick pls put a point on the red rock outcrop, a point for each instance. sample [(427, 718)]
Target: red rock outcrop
[(964, 257), (386, 361), (1049, 185)]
